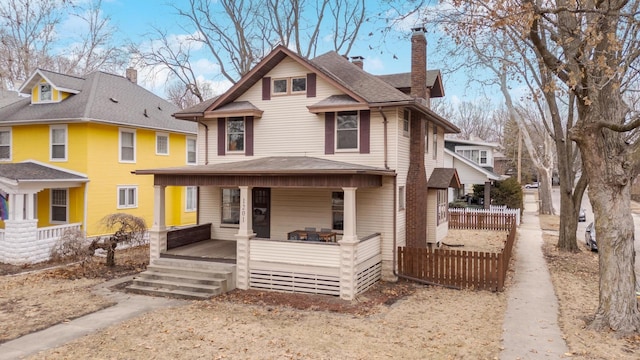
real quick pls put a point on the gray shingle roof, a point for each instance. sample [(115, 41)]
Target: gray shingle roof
[(102, 97), (32, 171), (370, 87), (273, 165), (443, 178), (403, 81)]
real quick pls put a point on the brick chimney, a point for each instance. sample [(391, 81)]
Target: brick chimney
[(419, 63), (132, 75), (358, 61), (416, 187)]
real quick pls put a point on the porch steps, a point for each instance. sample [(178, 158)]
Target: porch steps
[(185, 279)]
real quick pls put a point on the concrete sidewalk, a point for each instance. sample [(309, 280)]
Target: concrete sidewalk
[(530, 329), (128, 306)]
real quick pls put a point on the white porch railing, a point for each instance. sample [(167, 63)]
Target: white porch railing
[(491, 210), (55, 232)]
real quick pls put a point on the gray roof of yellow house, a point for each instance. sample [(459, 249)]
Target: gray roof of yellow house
[(97, 97)]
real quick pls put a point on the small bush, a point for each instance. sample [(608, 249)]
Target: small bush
[(507, 192), (72, 246)]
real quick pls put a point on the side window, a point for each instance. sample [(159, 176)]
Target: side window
[(426, 137), (59, 205), (45, 92), (347, 130), (127, 145), (191, 198), (230, 206), (5, 144), (127, 197), (235, 134), (337, 210), (58, 141), (435, 141), (406, 116), (191, 151), (162, 144), (299, 85), (401, 198), (483, 157)]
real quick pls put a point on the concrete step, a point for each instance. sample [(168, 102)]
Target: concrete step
[(196, 279), (177, 285), (186, 279), (177, 294)]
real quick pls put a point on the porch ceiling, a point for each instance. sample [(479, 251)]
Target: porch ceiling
[(294, 171), (34, 176)]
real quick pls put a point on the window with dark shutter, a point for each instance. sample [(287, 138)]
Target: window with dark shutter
[(365, 126), (221, 136), (248, 135), (311, 85), (329, 129)]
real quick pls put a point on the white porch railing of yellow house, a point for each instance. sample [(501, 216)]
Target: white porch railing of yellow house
[(55, 232), (311, 267)]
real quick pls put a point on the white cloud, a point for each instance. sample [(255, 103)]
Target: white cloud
[(374, 65)]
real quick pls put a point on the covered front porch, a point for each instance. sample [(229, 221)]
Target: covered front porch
[(278, 197), (22, 241)]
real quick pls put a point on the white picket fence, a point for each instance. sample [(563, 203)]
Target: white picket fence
[(493, 209)]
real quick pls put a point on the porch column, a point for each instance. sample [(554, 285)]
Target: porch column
[(348, 247), (158, 231), (245, 233), (30, 208), (16, 206)]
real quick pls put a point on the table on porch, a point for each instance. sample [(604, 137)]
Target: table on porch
[(326, 236)]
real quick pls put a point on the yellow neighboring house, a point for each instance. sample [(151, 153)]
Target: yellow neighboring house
[(66, 156)]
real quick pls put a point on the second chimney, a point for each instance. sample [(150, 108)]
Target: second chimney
[(132, 75), (358, 61), (419, 63)]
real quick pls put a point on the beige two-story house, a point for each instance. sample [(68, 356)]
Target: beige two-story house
[(315, 171)]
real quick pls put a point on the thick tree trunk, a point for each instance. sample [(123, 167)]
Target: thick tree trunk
[(544, 191), (606, 161), (568, 219)]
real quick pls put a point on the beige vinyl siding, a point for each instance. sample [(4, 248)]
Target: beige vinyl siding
[(295, 209), (432, 215), (210, 211), (296, 253), (374, 215)]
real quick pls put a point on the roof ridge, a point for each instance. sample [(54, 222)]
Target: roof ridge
[(61, 74)]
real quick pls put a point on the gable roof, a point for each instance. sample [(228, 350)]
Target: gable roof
[(443, 178), (99, 97), (360, 86), (33, 175), (488, 173)]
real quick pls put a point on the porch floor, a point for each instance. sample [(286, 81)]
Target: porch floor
[(206, 250)]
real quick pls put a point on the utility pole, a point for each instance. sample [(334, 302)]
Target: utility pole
[(519, 156)]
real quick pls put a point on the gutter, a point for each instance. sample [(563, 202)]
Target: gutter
[(206, 140)]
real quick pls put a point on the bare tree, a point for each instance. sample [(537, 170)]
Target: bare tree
[(129, 229), (238, 34), (27, 30), (592, 48)]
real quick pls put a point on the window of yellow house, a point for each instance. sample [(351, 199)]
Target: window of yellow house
[(191, 151), (191, 198), (5, 144), (58, 139), (59, 206), (162, 144), (127, 145), (127, 197), (45, 92)]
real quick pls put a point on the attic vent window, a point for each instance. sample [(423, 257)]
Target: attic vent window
[(45, 92), (114, 100)]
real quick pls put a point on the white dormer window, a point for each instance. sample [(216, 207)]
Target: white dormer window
[(45, 92)]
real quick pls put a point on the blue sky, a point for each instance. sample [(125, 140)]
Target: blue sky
[(134, 18)]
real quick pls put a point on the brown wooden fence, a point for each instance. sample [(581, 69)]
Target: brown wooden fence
[(458, 269), (188, 235)]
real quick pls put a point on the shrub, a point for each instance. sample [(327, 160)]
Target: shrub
[(507, 192)]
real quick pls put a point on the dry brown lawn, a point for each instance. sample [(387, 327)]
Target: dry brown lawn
[(575, 278)]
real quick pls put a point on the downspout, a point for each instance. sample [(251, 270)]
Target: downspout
[(86, 206), (385, 122), (206, 142)]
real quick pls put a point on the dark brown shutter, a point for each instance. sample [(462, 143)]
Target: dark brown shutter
[(311, 85), (329, 132), (266, 88), (365, 130), (248, 133), (222, 125)]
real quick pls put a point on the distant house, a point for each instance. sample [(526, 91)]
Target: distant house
[(474, 162), (67, 150), (315, 171)]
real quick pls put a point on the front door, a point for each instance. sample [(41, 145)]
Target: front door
[(261, 211)]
